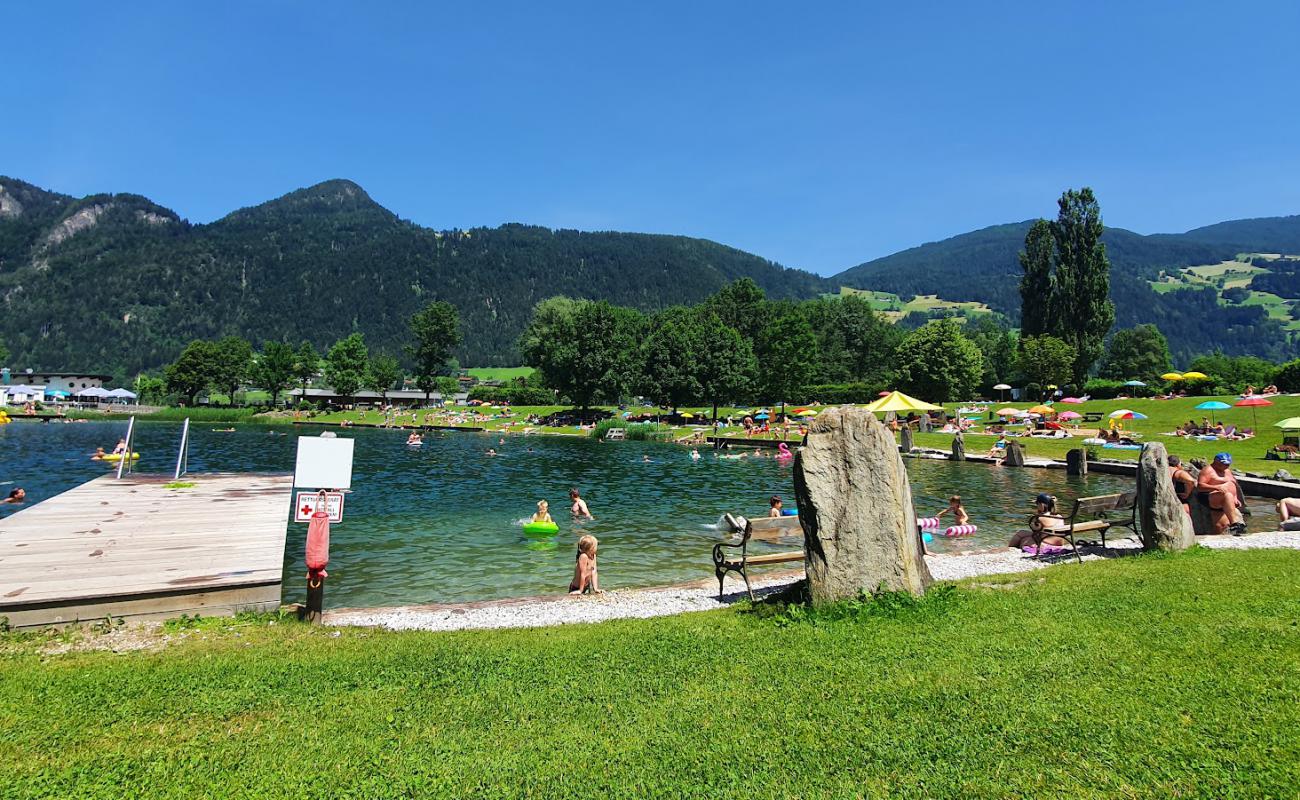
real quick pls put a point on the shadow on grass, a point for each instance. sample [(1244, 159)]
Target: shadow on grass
[(793, 604)]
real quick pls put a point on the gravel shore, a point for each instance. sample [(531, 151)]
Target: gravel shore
[(662, 601)]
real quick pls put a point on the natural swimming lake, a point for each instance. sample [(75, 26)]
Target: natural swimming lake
[(440, 523)]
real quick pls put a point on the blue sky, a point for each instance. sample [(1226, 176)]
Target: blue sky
[(817, 135)]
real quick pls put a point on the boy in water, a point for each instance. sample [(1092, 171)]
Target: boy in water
[(585, 577), (775, 503)]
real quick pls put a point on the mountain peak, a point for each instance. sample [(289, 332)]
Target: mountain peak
[(334, 196)]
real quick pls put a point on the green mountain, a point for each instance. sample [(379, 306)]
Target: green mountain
[(118, 282), (1156, 278)]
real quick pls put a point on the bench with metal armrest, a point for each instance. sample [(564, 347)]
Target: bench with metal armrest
[(724, 562), (1089, 515)]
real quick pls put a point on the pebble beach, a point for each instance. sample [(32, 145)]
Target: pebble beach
[(703, 596)]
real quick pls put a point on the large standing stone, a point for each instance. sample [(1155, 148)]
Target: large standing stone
[(855, 506), (958, 447), (1161, 519), (1015, 454), (905, 439)]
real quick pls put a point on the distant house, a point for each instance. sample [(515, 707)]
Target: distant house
[(70, 382)]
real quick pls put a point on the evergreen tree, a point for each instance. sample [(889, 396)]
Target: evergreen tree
[(436, 330), (1141, 352), (1082, 309), (305, 366), (936, 363), (383, 375), (1038, 284), (4, 353), (274, 370), (346, 365)]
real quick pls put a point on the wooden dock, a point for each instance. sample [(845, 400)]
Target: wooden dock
[(134, 549)]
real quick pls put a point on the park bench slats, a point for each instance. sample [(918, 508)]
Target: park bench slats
[(1123, 505)]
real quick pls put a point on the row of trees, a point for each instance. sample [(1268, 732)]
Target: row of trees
[(348, 366)]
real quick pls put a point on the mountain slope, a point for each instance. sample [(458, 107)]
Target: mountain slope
[(115, 281), (982, 266)]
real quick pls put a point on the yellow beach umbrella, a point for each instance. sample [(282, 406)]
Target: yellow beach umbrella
[(897, 401), (1288, 424), (687, 415), (1172, 376), (1042, 410), (1195, 376)]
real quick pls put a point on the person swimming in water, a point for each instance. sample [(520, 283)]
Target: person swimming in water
[(775, 510), (580, 510), (98, 455), (695, 454), (491, 451), (16, 497), (543, 512)]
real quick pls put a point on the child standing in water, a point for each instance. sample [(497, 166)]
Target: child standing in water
[(585, 578), (543, 512), (958, 511)]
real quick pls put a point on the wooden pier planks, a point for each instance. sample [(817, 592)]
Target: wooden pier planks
[(134, 548)]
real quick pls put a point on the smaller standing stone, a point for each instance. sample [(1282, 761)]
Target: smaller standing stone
[(1015, 454), (1076, 462), (905, 439), (1202, 518), (958, 447), (1161, 520), (925, 423)]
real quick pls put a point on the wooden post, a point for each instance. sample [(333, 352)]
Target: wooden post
[(1076, 462), (315, 599)]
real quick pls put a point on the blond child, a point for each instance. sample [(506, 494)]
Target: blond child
[(543, 512), (585, 577)]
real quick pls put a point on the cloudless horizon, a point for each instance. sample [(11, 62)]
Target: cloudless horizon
[(817, 137)]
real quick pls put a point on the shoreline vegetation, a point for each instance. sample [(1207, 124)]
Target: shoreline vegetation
[(1011, 685), (1163, 416)]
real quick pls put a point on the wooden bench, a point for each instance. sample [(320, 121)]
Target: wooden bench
[(1089, 515), (1092, 416), (742, 561)]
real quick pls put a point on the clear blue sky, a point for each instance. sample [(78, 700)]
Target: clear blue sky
[(817, 135)]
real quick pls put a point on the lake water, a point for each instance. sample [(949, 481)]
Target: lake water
[(440, 523)]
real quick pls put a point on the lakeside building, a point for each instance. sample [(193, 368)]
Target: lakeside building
[(70, 382)]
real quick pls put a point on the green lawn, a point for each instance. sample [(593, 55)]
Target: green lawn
[(1164, 416), (500, 373), (1153, 676)]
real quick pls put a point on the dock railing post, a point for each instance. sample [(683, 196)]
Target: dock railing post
[(183, 455), (126, 456)]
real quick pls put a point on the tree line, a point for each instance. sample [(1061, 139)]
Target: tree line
[(347, 366)]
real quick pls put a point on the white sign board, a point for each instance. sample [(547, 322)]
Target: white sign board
[(323, 463), (308, 501)]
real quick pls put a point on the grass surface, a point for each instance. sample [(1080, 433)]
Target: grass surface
[(499, 373), (1139, 677)]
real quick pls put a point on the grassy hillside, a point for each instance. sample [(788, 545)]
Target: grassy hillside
[(1137, 677)]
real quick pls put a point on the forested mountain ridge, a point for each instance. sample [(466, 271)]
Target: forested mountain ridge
[(118, 282), (982, 266)]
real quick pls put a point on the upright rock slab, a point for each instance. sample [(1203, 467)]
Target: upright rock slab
[(958, 447), (855, 506), (905, 442), (1015, 454), (1161, 519)]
